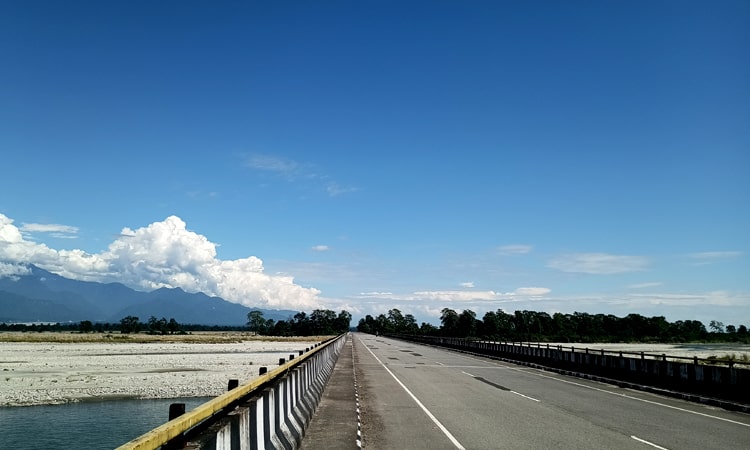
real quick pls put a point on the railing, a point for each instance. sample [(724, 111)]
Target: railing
[(199, 418), (742, 364)]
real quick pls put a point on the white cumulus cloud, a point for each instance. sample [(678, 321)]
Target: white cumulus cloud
[(163, 254), (320, 248)]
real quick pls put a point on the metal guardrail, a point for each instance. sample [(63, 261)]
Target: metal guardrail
[(643, 355), (216, 407)]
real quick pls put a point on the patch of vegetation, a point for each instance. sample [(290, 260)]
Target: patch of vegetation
[(534, 326)]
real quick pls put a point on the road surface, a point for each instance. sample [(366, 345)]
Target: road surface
[(418, 397)]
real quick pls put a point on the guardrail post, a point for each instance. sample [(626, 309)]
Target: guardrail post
[(176, 410)]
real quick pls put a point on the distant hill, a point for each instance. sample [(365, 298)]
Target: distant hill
[(42, 296)]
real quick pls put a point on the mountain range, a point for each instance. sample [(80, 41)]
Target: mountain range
[(41, 296)]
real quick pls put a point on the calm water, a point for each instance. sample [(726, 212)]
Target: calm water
[(89, 425)]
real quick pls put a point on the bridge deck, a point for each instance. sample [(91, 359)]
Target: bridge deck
[(417, 397)]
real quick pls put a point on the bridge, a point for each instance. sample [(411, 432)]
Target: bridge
[(386, 393)]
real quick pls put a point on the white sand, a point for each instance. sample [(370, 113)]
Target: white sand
[(52, 373), (681, 350)]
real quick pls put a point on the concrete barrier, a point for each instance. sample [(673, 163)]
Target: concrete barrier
[(278, 416)]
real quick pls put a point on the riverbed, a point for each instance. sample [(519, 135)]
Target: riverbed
[(46, 373)]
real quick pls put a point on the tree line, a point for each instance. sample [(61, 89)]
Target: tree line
[(319, 323), (127, 325), (558, 327)]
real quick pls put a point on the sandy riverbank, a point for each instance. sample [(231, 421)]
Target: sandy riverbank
[(35, 373)]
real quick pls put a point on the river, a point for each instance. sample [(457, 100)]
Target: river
[(85, 425)]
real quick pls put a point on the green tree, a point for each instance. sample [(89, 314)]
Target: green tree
[(410, 324), (466, 325), (343, 322), (396, 320), (428, 329), (86, 326), (130, 324), (448, 321), (173, 326), (283, 328), (363, 326), (255, 321), (323, 321)]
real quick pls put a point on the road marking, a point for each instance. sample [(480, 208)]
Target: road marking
[(644, 400), (426, 411), (648, 443), (524, 396), (502, 388), (537, 372), (438, 362)]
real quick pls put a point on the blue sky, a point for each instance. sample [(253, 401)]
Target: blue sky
[(553, 156)]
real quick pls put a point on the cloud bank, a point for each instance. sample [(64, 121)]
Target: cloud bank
[(162, 254)]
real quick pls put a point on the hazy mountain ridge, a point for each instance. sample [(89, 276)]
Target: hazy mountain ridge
[(42, 296)]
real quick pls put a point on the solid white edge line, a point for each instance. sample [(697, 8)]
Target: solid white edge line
[(426, 411), (525, 396), (648, 443), (617, 394)]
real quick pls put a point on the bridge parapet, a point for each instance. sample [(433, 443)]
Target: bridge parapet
[(269, 412)]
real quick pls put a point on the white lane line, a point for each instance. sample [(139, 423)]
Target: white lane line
[(524, 396), (438, 362), (645, 401), (426, 411), (514, 392), (648, 443), (537, 373)]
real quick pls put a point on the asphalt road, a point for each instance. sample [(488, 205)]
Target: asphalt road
[(418, 397)]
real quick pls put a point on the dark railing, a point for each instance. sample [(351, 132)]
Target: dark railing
[(719, 361)]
